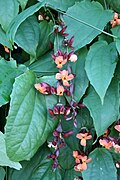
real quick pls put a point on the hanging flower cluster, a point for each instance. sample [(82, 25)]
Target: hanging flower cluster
[(110, 142)]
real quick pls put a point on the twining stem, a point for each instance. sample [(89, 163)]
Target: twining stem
[(83, 22)]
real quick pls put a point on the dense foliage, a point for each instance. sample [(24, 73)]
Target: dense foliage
[(59, 89)]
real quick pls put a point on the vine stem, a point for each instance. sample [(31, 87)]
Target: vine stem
[(83, 22)]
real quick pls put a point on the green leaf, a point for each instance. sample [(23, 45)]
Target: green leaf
[(29, 122), (103, 115), (27, 36), (23, 3), (11, 32), (90, 14), (62, 4), (116, 32), (44, 171), (65, 158), (45, 29), (9, 9), (4, 159), (28, 167), (44, 66), (101, 166), (3, 38), (115, 4), (71, 174), (80, 81), (8, 72), (100, 66), (2, 173)]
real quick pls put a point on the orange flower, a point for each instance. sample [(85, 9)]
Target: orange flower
[(83, 163), (117, 127), (115, 21), (6, 49), (116, 147), (76, 156), (63, 75), (106, 143), (83, 137), (60, 90), (43, 88), (60, 61)]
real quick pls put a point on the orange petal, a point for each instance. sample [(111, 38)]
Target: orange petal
[(117, 127), (75, 154), (84, 166), (83, 142)]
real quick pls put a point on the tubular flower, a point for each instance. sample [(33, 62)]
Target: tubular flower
[(73, 58), (63, 75), (43, 88), (83, 137), (60, 90), (106, 143), (60, 59), (76, 156), (115, 21), (117, 127)]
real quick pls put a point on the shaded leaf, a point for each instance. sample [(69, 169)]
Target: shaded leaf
[(101, 166), (27, 36), (45, 37), (2, 173), (3, 38), (9, 9), (4, 159), (8, 72), (11, 32), (23, 3), (44, 65), (103, 115), (115, 4), (116, 32), (28, 167), (29, 122), (100, 66), (80, 81), (71, 174), (91, 14)]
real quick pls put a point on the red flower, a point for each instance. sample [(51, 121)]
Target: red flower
[(60, 59), (43, 88), (106, 143), (60, 90), (115, 21)]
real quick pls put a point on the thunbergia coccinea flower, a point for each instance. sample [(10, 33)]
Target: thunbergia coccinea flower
[(84, 137), (60, 90), (60, 58), (43, 88), (81, 161), (105, 142), (115, 21), (117, 126), (65, 77)]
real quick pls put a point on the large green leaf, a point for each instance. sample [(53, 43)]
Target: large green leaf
[(3, 38), (101, 166), (28, 167), (8, 72), (44, 66), (91, 14), (29, 122), (62, 4), (20, 18), (116, 32), (2, 173), (27, 36), (80, 81), (4, 159), (65, 158), (71, 174), (44, 171), (103, 114), (45, 29), (9, 9), (23, 3), (100, 66)]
